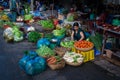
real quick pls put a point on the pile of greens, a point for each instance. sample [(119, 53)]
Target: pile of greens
[(45, 51), (11, 24), (58, 58), (33, 36), (28, 17), (48, 36), (59, 32), (67, 44), (46, 23), (18, 35), (70, 17), (97, 40)]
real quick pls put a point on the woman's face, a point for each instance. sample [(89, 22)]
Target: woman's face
[(76, 27)]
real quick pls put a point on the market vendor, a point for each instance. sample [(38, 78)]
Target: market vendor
[(14, 7), (77, 33)]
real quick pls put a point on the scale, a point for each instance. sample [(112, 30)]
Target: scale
[(54, 42)]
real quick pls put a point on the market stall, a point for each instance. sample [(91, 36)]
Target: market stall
[(109, 33), (52, 38)]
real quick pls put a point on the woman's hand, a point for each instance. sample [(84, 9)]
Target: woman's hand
[(72, 35), (82, 36)]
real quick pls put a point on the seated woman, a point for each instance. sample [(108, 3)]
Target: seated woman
[(77, 33)]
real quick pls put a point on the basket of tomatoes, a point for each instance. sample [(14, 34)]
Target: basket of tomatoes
[(56, 62), (83, 45)]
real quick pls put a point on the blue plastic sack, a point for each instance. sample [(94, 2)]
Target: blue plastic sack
[(36, 14), (35, 66), (43, 41), (28, 56), (32, 64)]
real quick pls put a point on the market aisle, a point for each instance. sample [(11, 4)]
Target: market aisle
[(9, 68), (9, 57)]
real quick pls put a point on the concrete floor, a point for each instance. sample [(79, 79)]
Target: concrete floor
[(10, 54)]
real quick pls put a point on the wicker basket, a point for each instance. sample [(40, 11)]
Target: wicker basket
[(59, 65), (84, 49), (61, 50), (44, 29), (74, 64), (48, 29)]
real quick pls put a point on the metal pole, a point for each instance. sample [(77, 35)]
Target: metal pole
[(52, 7), (32, 7)]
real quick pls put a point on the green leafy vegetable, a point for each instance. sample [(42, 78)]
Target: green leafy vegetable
[(59, 32), (67, 44), (33, 36), (28, 17), (97, 40), (45, 51), (46, 23)]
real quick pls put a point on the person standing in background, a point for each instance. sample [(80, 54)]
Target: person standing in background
[(14, 8)]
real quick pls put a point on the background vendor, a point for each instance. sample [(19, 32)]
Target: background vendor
[(77, 33)]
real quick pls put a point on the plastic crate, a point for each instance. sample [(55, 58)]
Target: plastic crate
[(88, 55)]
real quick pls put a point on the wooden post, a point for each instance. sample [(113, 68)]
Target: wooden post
[(104, 40)]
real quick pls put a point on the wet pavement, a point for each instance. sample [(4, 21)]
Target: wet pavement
[(10, 54)]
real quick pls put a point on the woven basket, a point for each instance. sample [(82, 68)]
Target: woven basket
[(84, 49), (48, 29), (59, 65), (61, 50), (44, 29), (74, 64)]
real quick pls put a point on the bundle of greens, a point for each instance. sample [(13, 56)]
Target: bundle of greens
[(48, 36), (97, 40), (11, 24), (28, 17), (46, 23), (34, 36), (18, 35), (67, 44), (45, 51), (59, 32)]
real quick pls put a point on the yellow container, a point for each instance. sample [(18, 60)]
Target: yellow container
[(88, 55)]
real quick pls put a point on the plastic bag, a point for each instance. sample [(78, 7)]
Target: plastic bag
[(43, 41), (32, 64), (8, 34), (30, 29), (35, 66), (116, 22), (28, 56)]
